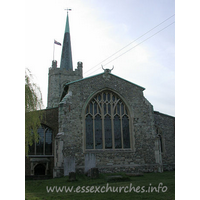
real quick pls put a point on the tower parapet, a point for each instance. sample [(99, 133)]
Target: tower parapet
[(54, 64)]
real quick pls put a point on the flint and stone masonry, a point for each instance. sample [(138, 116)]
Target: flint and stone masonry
[(145, 153)]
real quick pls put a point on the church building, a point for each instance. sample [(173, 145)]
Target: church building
[(102, 121)]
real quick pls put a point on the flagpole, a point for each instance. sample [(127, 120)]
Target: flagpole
[(53, 50)]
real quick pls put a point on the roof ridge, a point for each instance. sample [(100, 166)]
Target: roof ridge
[(100, 74)]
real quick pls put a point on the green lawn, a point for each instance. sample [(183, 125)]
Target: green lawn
[(135, 188)]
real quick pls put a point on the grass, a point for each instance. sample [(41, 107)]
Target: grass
[(36, 189)]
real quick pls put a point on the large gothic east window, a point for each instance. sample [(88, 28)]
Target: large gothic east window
[(107, 122)]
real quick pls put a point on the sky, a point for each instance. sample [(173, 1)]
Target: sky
[(98, 30)]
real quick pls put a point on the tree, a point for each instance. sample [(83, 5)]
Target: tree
[(33, 115)]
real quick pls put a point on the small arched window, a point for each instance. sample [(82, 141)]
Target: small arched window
[(44, 145), (107, 122), (161, 143), (159, 134)]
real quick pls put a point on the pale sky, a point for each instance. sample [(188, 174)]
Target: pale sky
[(98, 29)]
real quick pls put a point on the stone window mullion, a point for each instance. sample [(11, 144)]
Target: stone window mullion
[(45, 130), (112, 128), (102, 116), (122, 139), (93, 118), (112, 121)]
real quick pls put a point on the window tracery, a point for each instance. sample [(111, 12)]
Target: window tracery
[(44, 145), (107, 122)]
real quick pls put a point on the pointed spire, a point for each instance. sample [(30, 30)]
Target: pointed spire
[(66, 58), (67, 24)]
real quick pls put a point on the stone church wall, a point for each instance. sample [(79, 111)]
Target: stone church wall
[(71, 123), (166, 127)]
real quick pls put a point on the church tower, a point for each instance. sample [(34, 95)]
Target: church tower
[(58, 77)]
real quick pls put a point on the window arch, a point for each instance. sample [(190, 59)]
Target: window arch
[(44, 145), (107, 122), (39, 169)]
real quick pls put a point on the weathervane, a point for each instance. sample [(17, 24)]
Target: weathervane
[(68, 9)]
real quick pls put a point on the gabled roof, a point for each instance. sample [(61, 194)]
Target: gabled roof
[(101, 74), (65, 91)]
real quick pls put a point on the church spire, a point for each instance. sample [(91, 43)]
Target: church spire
[(66, 57)]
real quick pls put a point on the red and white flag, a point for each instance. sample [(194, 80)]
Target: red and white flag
[(58, 43)]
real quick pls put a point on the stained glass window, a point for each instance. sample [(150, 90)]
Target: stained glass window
[(44, 145), (40, 144), (95, 108), (107, 122), (89, 132), (161, 143), (108, 132), (125, 125), (98, 132), (48, 142), (117, 131)]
